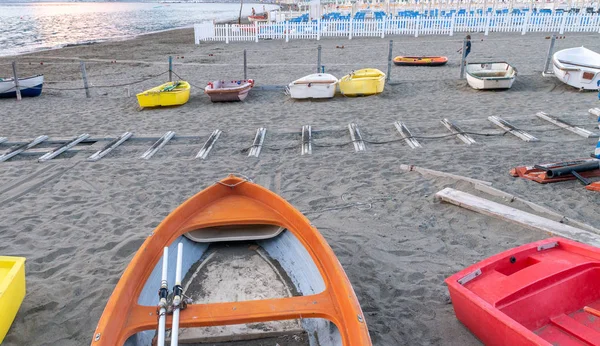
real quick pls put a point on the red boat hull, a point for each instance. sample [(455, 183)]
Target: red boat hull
[(543, 293)]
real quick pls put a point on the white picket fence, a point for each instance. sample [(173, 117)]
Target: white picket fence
[(560, 23)]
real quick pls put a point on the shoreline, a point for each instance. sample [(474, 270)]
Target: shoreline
[(131, 37)]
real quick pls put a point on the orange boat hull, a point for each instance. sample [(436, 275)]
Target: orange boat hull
[(233, 201), (420, 60)]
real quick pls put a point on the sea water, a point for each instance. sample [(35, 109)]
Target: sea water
[(30, 26)]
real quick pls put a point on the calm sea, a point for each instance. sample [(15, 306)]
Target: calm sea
[(30, 26)]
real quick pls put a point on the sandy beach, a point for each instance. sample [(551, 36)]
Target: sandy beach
[(79, 223)]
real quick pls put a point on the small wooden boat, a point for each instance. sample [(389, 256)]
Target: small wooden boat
[(368, 81), (490, 75), (226, 91), (578, 67), (543, 293), (12, 290), (29, 87), (316, 86), (420, 60), (168, 94), (252, 267)]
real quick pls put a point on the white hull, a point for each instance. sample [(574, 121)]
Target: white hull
[(577, 67), (316, 86), (484, 84), (488, 76), (8, 85)]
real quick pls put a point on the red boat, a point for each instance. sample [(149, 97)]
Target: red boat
[(543, 293)]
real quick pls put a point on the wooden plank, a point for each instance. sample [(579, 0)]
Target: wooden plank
[(411, 168), (508, 127), (54, 153), (407, 135), (16, 80), (554, 215), (306, 140), (161, 142), (208, 145), (21, 148), (560, 123), (595, 111), (503, 212), (3, 139), (356, 137), (259, 139), (458, 131), (110, 147)]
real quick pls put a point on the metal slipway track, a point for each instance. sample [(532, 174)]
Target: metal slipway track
[(47, 149)]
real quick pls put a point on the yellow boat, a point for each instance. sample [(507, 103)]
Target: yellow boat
[(368, 81), (168, 94), (12, 290)]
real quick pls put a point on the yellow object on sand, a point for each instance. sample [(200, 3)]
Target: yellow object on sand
[(368, 81), (12, 290), (165, 95)]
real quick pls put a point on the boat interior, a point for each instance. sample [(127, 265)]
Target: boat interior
[(551, 291), (491, 70), (238, 263)]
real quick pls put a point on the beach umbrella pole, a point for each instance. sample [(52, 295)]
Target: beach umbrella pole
[(177, 293), (163, 292)]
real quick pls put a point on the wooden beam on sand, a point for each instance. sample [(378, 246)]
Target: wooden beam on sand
[(557, 217), (561, 123), (508, 127), (22, 147), (110, 147), (161, 142), (306, 140), (411, 168), (406, 135), (355, 136), (259, 139), (2, 139), (503, 212), (54, 153), (208, 145), (595, 111), (468, 140)]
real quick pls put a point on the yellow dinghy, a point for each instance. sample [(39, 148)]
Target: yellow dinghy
[(168, 94), (12, 290), (368, 81)]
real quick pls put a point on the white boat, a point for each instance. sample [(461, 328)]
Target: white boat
[(316, 86), (578, 67), (490, 75), (30, 86)]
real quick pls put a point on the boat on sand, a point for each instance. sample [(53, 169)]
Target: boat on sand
[(420, 60), (316, 86), (250, 267), (490, 75), (168, 94), (364, 82), (12, 290), (227, 91), (542, 293), (29, 87), (578, 67)]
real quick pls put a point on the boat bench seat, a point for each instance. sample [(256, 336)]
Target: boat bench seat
[(234, 233), (489, 74)]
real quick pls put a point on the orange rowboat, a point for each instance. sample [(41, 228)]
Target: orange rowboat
[(420, 60), (230, 225)]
